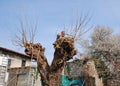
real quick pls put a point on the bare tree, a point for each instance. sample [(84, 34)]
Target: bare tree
[(101, 33), (64, 51), (104, 41), (106, 45)]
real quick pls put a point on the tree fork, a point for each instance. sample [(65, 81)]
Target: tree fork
[(51, 74)]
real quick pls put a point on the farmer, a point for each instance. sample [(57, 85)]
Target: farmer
[(62, 34)]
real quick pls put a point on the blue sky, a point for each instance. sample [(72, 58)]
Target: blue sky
[(51, 16)]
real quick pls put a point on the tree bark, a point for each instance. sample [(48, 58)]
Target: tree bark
[(51, 74)]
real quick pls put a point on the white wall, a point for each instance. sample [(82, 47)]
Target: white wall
[(3, 60), (28, 63), (15, 62)]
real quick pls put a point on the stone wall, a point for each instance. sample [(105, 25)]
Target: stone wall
[(22, 76), (73, 71)]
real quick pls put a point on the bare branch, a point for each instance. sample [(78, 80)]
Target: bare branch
[(32, 32), (80, 28), (22, 38), (24, 34)]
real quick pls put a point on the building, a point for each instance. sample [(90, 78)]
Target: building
[(15, 59), (15, 67)]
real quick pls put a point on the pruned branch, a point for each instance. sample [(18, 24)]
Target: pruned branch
[(64, 51), (32, 32), (80, 27), (22, 38)]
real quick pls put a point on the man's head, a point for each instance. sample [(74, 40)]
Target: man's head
[(63, 33)]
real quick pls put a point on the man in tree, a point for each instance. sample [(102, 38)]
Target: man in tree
[(62, 34)]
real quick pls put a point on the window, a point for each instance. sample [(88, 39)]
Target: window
[(9, 62), (23, 63)]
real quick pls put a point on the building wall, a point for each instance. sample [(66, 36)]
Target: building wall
[(0, 60), (16, 58), (2, 75), (3, 58), (16, 61), (23, 76), (28, 63), (3, 69)]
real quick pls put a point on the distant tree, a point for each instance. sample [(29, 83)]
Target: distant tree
[(100, 34), (106, 45)]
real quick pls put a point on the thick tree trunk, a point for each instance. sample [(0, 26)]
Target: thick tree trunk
[(64, 50)]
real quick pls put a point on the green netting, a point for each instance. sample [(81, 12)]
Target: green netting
[(66, 82)]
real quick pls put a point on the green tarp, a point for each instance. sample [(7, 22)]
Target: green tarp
[(66, 82)]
